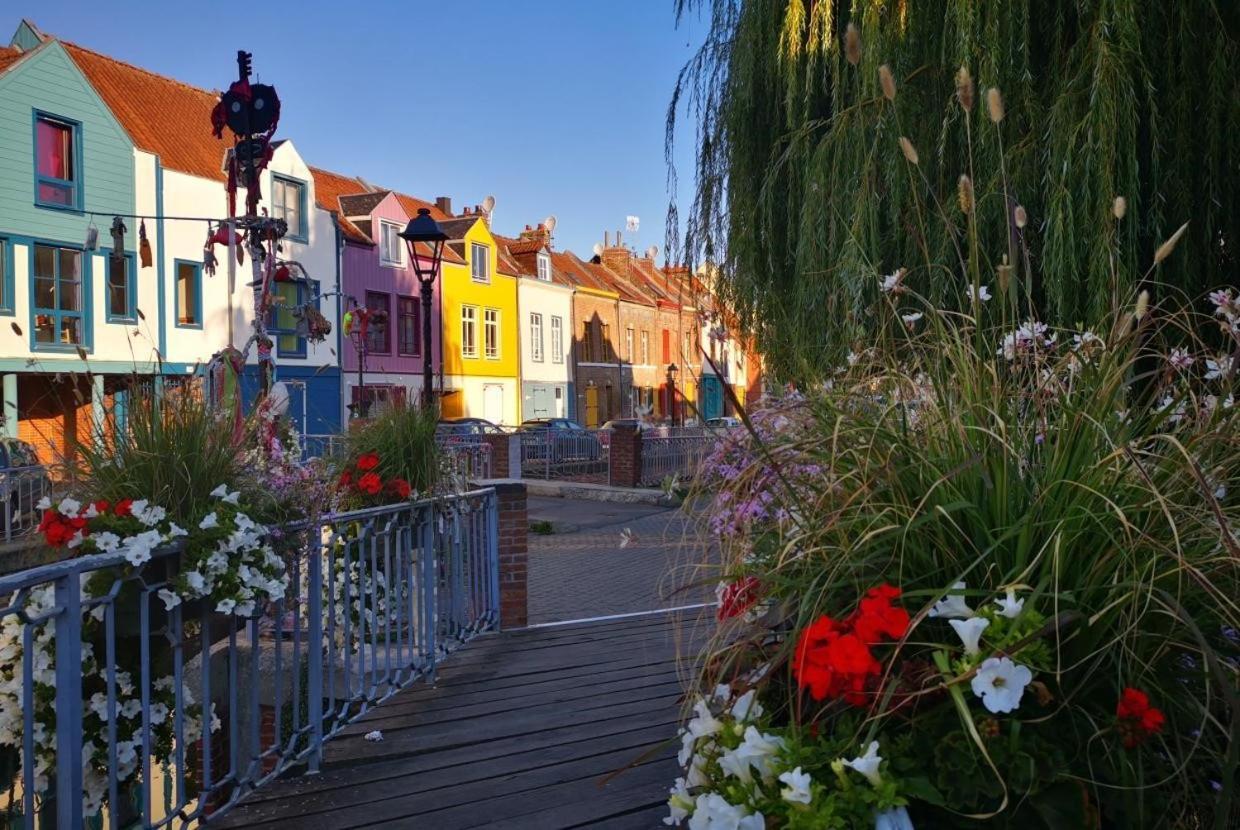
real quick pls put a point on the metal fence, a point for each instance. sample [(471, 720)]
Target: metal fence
[(573, 455), (321, 446), (20, 490), (674, 451), (468, 459), (376, 598)]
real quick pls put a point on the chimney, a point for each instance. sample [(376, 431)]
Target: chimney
[(444, 203), (606, 239), (540, 233), (618, 258), (466, 211)]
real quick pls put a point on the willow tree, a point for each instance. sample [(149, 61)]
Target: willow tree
[(805, 195)]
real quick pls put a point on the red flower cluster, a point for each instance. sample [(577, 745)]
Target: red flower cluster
[(833, 659), (1137, 718), (736, 598), (58, 529), (364, 479)]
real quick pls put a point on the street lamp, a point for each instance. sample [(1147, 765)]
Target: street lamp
[(671, 391), (422, 228)]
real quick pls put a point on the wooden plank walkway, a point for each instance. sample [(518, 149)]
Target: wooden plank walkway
[(568, 726)]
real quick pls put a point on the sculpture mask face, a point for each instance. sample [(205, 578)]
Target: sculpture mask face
[(256, 115)]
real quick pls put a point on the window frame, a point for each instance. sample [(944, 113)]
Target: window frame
[(488, 325), (630, 343), (302, 232), (8, 306), (544, 267), (469, 345), (645, 341), (276, 331), (131, 289), (387, 326), (77, 184), (475, 248), (387, 262), (176, 293), (83, 313), (536, 337), (587, 342), (415, 304), (557, 338)]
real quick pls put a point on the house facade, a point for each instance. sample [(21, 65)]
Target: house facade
[(545, 303), (602, 382)]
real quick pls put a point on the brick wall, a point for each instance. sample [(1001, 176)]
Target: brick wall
[(501, 460), (514, 529), (626, 457)]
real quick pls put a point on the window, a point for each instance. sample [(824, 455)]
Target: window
[(667, 346), (121, 288), (628, 344), (391, 246), (690, 355), (536, 337), (469, 331), (6, 277), (587, 342), (288, 202), (189, 293), (59, 319), (378, 339), (57, 162), (606, 348), (544, 267), (408, 330), (490, 323), (645, 347), (480, 262), (557, 340)]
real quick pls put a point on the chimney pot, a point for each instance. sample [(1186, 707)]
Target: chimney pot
[(444, 203), (467, 210)]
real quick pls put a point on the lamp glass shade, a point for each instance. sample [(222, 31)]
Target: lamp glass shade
[(425, 230)]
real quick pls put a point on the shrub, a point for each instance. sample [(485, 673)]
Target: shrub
[(401, 441)]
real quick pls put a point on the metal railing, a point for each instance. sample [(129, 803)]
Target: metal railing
[(679, 452), (469, 459), (321, 446), (20, 490), (376, 598), (574, 455)]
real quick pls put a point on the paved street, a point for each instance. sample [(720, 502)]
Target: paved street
[(586, 573)]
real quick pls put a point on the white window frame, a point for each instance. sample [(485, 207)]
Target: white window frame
[(490, 323), (645, 348), (544, 268), (536, 337), (629, 353), (385, 258), (469, 331), (480, 262), (557, 339)]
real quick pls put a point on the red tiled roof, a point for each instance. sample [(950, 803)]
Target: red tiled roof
[(161, 115), (525, 246), (328, 188), (9, 55)]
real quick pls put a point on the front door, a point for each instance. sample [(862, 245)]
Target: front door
[(592, 407), (493, 403), (712, 397)]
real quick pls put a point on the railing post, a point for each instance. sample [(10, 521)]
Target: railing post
[(626, 457), (513, 553), (314, 649), (492, 560), (426, 559), (68, 629)]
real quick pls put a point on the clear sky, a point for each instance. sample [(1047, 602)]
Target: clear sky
[(552, 106)]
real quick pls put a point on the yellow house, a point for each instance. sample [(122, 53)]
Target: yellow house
[(481, 354)]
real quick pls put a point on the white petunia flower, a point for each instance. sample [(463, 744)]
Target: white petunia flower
[(911, 318), (897, 818), (226, 606), (712, 811), (1000, 683), (171, 600), (747, 708), (679, 803), (1010, 607), (970, 632), (982, 294), (69, 507), (722, 694), (43, 504), (703, 722), (868, 764), (755, 754), (891, 282), (106, 541), (175, 530), (952, 605), (220, 492), (374, 736), (209, 521), (798, 786)]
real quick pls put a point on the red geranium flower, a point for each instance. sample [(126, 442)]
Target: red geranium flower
[(58, 529), (368, 461), (124, 507), (736, 598), (833, 662), (370, 483), (102, 506), (1137, 719), (877, 618), (400, 487), (346, 478)]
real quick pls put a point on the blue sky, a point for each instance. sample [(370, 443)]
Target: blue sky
[(552, 106)]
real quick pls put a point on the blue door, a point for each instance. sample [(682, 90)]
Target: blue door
[(712, 397)]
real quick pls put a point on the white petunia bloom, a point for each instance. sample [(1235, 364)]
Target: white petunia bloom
[(756, 754), (69, 507), (171, 600), (952, 605), (911, 318), (175, 530), (679, 803), (159, 713), (722, 694), (897, 818), (982, 294), (1010, 606), (209, 521), (712, 811), (106, 541), (970, 632), (43, 504), (747, 708), (226, 606), (868, 764), (703, 722), (1000, 683), (220, 492), (890, 282), (798, 786), (374, 736), (195, 581)]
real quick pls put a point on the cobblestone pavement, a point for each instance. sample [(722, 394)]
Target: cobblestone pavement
[(586, 573)]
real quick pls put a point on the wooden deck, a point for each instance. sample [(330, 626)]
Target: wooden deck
[(570, 726)]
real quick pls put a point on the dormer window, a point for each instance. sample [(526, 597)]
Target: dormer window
[(544, 268), (57, 163), (391, 246)]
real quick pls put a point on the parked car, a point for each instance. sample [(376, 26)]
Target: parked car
[(465, 430), (625, 422), (558, 440), (23, 482), (726, 422)]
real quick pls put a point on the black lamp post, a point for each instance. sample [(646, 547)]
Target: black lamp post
[(422, 228), (671, 391)]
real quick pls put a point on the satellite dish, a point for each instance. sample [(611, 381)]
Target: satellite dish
[(598, 249), (488, 204), (549, 223), (652, 252)]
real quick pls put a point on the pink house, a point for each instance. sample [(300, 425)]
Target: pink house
[(376, 272)]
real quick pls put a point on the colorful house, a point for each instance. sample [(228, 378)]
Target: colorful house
[(376, 273), (603, 382), (481, 353), (545, 302)]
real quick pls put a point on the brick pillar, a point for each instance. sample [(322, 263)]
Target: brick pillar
[(514, 527), (626, 457), (500, 460)]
